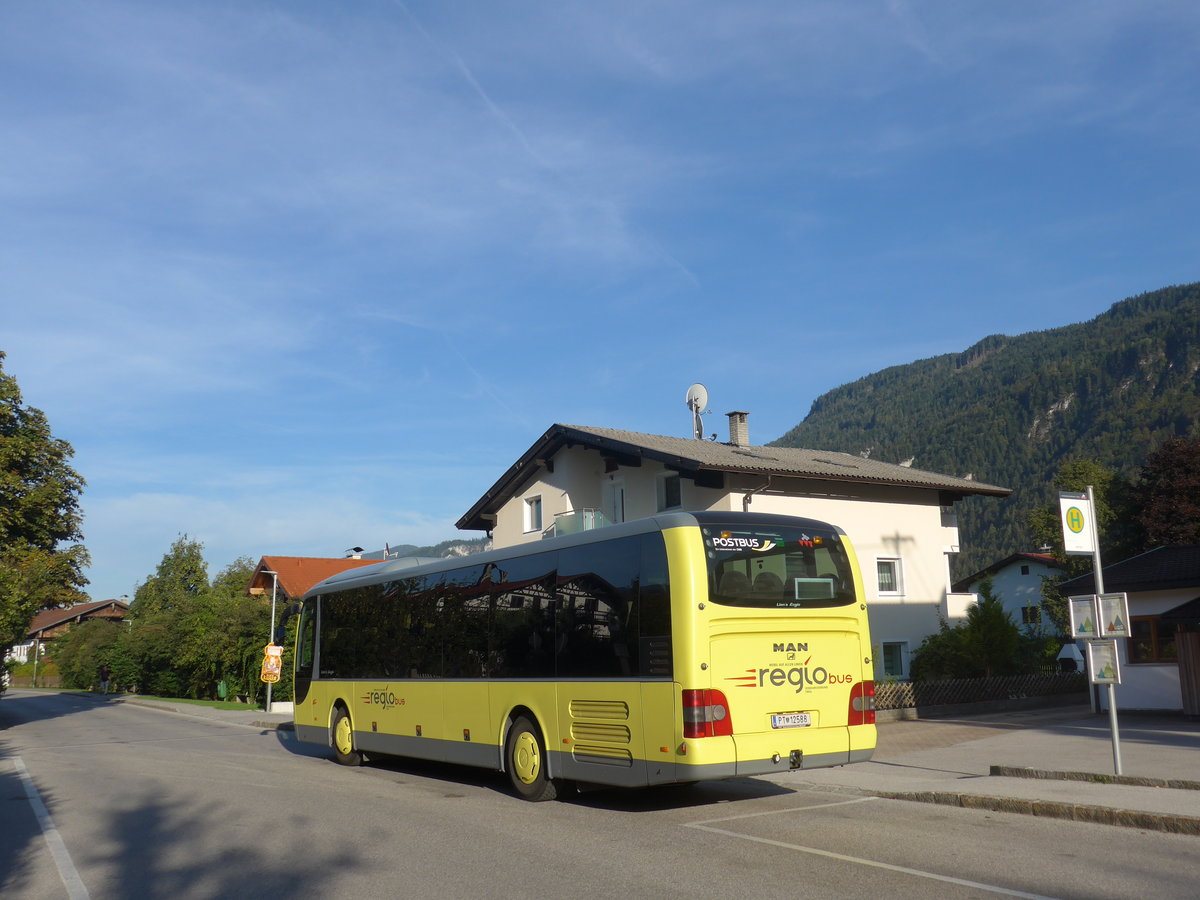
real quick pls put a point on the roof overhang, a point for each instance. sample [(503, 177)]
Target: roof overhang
[(621, 452)]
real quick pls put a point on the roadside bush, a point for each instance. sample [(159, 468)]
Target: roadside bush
[(988, 643), (46, 668), (83, 650)]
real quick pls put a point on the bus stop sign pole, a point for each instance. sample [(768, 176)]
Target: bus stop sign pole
[(1079, 524)]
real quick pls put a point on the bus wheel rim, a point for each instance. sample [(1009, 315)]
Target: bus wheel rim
[(342, 737), (527, 762)]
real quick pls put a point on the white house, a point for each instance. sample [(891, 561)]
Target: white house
[(1017, 582), (900, 520), (1160, 663)]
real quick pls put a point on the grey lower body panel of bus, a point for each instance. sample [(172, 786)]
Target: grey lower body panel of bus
[(771, 766), (632, 773), (627, 773)]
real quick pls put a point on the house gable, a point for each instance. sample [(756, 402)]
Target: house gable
[(900, 520)]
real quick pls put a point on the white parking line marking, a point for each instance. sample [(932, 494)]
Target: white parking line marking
[(793, 810), (58, 850), (841, 857)]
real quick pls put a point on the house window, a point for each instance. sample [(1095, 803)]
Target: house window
[(890, 581), (1024, 570), (533, 514), (1031, 615), (1151, 640), (670, 492), (893, 659)]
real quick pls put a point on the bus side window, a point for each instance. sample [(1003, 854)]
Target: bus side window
[(652, 629), (522, 636), (596, 588), (463, 614)]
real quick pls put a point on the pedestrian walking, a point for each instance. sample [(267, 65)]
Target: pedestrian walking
[(104, 679)]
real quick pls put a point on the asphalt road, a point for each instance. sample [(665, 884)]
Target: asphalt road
[(110, 801)]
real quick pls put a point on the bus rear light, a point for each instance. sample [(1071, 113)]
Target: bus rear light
[(706, 714), (862, 704)]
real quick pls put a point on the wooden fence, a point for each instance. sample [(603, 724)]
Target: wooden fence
[(51, 681), (907, 694)]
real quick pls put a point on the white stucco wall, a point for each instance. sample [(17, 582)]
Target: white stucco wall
[(1016, 590), (1149, 685)]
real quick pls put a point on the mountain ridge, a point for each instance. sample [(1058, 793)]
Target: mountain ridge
[(1010, 409)]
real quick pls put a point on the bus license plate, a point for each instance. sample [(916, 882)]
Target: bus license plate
[(791, 720)]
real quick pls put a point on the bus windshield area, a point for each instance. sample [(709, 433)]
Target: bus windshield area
[(777, 567)]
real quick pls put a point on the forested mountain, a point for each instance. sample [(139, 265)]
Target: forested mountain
[(1010, 410)]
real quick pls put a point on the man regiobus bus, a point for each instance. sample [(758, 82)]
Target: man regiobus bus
[(677, 648)]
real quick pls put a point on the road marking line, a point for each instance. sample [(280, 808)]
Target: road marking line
[(828, 854), (793, 809), (76, 889)]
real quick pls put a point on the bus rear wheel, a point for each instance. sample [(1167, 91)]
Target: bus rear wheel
[(343, 739), (525, 760)]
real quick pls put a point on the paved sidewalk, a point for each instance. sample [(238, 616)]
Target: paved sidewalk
[(1055, 762), (255, 718), (1051, 762)]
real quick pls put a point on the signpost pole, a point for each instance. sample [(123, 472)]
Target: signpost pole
[(1112, 688)]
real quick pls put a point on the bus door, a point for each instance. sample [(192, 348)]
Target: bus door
[(615, 708)]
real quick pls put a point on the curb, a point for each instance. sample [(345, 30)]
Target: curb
[(1101, 815), (1094, 778), (181, 709)]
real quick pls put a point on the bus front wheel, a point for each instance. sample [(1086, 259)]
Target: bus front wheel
[(343, 739), (525, 759)]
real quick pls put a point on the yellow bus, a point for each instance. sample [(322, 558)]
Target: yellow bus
[(677, 648)]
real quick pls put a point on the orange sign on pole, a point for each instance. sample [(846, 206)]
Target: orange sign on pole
[(272, 664)]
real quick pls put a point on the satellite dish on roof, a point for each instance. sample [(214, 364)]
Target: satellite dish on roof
[(697, 402)]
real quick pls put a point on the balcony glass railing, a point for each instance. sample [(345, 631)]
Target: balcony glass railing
[(575, 521)]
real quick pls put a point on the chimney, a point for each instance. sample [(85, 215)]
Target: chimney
[(739, 430)]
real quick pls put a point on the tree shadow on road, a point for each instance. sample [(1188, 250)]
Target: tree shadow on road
[(159, 850)]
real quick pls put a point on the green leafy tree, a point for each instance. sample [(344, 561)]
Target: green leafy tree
[(159, 649), (181, 575), (39, 517), (84, 649), (1120, 535)]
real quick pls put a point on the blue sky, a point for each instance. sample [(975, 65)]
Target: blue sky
[(297, 276)]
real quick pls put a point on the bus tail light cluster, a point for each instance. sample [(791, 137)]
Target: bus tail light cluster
[(862, 703), (706, 714)]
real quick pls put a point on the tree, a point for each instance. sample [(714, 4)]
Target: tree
[(84, 649), (181, 575), (39, 516), (1169, 493), (992, 639), (988, 643)]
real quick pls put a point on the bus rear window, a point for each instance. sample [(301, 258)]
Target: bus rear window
[(777, 568)]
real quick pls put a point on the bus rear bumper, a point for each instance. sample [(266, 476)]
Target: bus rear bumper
[(770, 766)]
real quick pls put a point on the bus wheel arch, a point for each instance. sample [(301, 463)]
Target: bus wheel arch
[(525, 758), (341, 736)]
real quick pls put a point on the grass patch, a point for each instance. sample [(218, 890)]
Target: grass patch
[(215, 704)]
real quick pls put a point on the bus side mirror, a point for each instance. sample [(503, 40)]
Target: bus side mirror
[(292, 609)]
